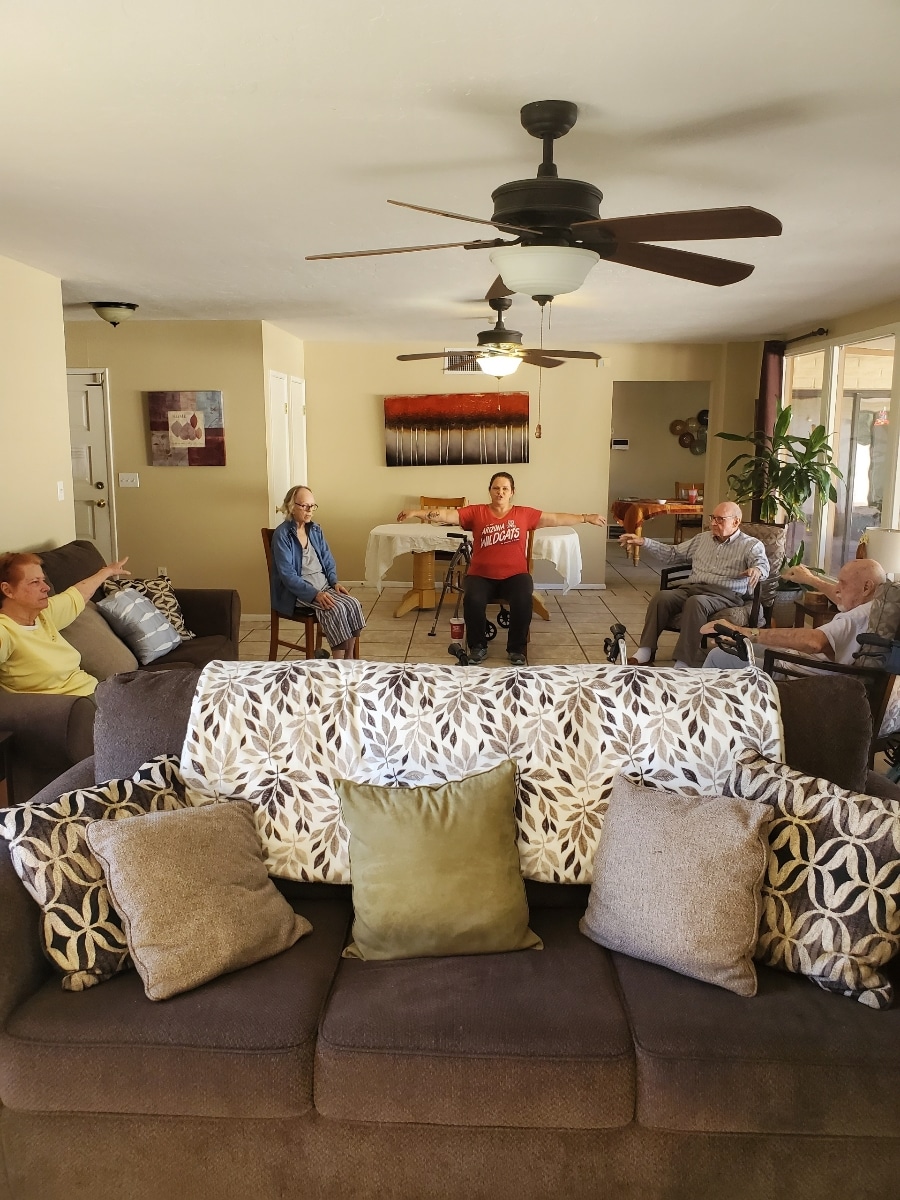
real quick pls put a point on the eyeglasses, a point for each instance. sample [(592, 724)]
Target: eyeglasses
[(306, 507), (721, 520)]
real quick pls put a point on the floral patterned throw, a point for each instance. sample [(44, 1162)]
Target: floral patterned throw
[(280, 734)]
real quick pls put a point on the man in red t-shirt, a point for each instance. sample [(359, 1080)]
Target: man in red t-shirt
[(499, 560)]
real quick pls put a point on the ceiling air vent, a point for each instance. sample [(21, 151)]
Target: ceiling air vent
[(460, 362)]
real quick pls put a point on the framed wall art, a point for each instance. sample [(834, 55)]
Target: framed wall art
[(187, 429), (450, 430)]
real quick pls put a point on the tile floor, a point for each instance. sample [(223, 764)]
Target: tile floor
[(579, 622)]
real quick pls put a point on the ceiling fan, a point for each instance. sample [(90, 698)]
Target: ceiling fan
[(559, 234), (500, 350)]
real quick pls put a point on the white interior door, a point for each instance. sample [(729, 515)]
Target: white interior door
[(92, 461), (297, 410), (278, 439)]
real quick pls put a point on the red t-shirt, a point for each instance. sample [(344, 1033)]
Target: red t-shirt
[(498, 543)]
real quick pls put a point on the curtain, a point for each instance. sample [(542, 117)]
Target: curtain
[(770, 383)]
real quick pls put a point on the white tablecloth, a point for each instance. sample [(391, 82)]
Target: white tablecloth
[(559, 546)]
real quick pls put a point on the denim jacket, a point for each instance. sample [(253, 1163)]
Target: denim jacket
[(287, 586)]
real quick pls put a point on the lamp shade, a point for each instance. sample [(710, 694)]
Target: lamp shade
[(498, 364), (114, 311), (884, 546), (543, 270)]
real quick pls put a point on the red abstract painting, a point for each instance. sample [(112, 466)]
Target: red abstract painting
[(470, 427)]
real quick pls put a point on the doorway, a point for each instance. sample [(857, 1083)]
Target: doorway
[(89, 436)]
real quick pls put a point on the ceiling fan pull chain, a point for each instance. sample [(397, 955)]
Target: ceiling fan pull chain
[(537, 428)]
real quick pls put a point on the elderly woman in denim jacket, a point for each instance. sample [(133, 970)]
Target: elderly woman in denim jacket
[(304, 575)]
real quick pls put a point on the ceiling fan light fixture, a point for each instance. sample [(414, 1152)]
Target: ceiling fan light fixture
[(113, 311), (498, 365), (544, 270)]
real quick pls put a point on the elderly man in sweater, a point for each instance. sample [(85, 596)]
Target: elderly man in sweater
[(726, 566)]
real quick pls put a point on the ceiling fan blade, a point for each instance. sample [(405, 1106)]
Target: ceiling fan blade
[(535, 359), (700, 224), (570, 354), (683, 264), (469, 245), (497, 289), (440, 212), (414, 357)]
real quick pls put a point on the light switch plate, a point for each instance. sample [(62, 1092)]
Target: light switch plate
[(60, 490), (129, 479)]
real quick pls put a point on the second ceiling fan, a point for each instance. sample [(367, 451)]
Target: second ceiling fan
[(500, 350)]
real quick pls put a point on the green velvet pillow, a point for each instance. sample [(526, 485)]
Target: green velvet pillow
[(435, 870)]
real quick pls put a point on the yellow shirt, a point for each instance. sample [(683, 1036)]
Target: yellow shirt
[(37, 658)]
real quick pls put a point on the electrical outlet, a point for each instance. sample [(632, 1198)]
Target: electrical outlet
[(129, 479), (60, 490), (162, 570)]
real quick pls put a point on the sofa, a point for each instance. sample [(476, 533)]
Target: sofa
[(569, 1072), (52, 733)]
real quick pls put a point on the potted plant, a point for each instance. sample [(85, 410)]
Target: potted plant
[(783, 471)]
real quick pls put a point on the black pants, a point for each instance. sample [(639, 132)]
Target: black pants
[(516, 591)]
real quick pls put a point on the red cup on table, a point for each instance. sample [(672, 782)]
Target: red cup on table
[(457, 630), (692, 495)]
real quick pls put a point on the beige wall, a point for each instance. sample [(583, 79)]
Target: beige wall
[(202, 523), (569, 465), (34, 423), (654, 460)]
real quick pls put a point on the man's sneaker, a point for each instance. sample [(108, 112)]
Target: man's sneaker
[(477, 654), (517, 660), (322, 653)]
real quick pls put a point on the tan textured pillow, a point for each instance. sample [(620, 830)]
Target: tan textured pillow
[(193, 894), (677, 882), (435, 870)]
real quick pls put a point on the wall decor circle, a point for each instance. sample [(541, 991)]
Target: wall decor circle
[(677, 427), (703, 417), (686, 439)]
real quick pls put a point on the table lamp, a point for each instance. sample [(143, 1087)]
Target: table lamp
[(884, 546)]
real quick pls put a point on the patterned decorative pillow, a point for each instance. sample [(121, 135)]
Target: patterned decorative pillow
[(81, 932), (831, 892), (140, 625), (160, 593)]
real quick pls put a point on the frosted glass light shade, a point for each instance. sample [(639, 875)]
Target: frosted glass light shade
[(114, 311), (498, 365), (884, 546), (543, 270)]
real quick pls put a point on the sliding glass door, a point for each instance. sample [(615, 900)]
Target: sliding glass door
[(863, 378)]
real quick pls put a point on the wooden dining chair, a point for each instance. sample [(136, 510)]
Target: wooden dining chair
[(312, 639), (442, 502), (687, 522)]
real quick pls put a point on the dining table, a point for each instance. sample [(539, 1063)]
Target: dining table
[(631, 515), (560, 546)]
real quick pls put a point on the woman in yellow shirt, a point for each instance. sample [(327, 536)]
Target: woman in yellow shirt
[(34, 657)]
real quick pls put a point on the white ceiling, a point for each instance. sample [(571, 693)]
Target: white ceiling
[(187, 155)]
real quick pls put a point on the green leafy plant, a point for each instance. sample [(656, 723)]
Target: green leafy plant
[(784, 470)]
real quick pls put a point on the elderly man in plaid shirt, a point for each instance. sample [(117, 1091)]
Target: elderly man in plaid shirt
[(726, 566)]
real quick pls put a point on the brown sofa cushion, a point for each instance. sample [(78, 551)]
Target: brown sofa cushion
[(793, 1060), (241, 1045), (827, 728), (102, 652), (140, 715), (517, 1040)]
